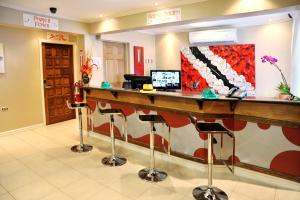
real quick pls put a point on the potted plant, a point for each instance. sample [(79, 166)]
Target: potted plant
[(283, 87), (86, 70)]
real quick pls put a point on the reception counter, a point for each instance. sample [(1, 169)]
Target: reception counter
[(267, 130), (265, 110)]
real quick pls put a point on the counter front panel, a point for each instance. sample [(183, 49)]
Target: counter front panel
[(267, 131)]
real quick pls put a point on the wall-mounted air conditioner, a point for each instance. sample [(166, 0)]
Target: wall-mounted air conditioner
[(214, 36)]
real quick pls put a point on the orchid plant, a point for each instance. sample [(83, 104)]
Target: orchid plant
[(283, 87)]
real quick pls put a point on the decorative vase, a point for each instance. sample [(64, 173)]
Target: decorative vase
[(85, 78), (284, 96)]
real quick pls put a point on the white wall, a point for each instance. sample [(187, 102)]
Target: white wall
[(273, 39), (136, 39)]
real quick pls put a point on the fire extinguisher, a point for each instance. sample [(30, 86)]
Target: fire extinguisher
[(78, 91)]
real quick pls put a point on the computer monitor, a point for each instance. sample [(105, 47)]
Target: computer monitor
[(137, 82), (166, 79)]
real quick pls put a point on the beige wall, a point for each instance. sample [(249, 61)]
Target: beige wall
[(20, 86), (207, 10), (274, 39), (14, 17), (168, 48), (136, 39)]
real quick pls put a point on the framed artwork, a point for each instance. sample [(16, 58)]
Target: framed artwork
[(138, 60), (219, 67), (2, 69)]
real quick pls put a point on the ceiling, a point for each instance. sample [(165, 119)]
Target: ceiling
[(92, 10), (235, 22)]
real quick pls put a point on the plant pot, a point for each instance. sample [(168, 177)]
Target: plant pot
[(284, 96)]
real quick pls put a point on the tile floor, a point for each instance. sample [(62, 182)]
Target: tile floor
[(38, 164)]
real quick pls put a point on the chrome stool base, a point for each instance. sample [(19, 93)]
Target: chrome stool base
[(114, 161), (206, 193), (154, 176), (81, 148)]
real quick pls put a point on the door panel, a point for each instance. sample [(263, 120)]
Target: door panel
[(114, 62), (58, 82)]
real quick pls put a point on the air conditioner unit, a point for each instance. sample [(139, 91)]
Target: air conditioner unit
[(214, 36)]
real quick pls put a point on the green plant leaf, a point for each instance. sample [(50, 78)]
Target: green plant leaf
[(283, 88)]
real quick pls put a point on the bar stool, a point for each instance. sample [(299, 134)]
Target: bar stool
[(114, 160), (152, 174), (80, 147), (209, 192)]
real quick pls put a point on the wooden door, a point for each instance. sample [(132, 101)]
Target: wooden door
[(58, 79), (114, 62)]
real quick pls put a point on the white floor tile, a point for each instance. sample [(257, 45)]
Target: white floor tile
[(6, 196), (18, 179), (33, 191), (63, 177), (2, 190), (38, 164), (237, 196), (57, 196), (130, 185), (107, 193), (156, 193), (287, 194), (9, 168), (255, 191), (82, 189)]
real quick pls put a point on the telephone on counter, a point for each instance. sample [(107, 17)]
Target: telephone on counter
[(236, 93)]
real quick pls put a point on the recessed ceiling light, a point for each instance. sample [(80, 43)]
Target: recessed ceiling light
[(156, 4)]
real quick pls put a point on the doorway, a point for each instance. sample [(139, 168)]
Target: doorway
[(115, 60), (58, 79)]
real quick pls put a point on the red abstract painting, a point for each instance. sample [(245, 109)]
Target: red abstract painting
[(219, 67)]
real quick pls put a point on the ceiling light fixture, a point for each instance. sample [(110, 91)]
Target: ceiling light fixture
[(156, 4)]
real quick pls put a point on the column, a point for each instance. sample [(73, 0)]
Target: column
[(295, 62)]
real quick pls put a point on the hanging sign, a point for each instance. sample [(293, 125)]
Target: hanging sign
[(164, 16), (57, 36), (40, 22)]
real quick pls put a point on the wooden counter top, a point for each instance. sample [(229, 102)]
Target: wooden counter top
[(263, 110)]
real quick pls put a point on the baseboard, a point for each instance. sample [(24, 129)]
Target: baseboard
[(239, 171), (20, 129)]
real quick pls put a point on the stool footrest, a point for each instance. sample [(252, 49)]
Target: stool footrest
[(209, 193), (110, 111), (114, 161), (81, 148), (154, 175), (152, 118)]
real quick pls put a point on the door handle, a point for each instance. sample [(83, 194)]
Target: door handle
[(47, 86)]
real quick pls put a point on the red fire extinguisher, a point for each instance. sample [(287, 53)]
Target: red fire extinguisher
[(78, 91)]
